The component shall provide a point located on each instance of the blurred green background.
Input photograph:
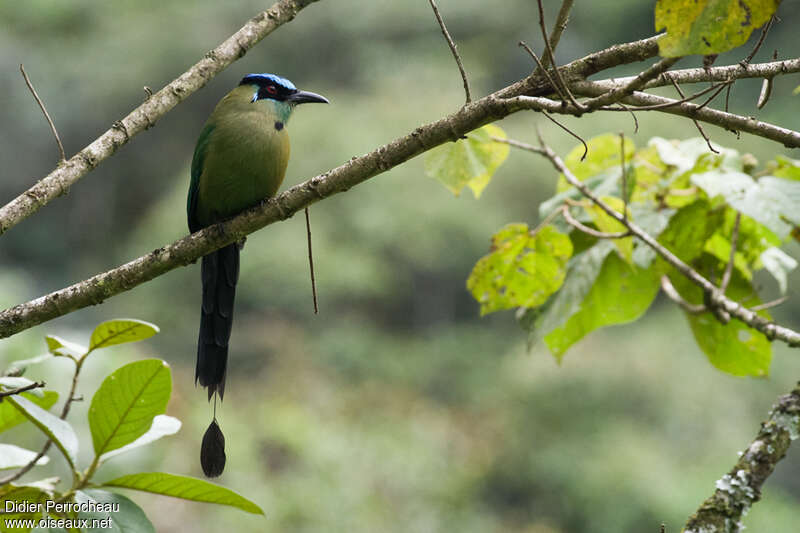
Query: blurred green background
(396, 408)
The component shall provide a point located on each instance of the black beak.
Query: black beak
(306, 97)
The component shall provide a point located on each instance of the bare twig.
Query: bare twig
(20, 390)
(563, 127)
(543, 70)
(764, 31)
(61, 155)
(575, 223)
(453, 48)
(673, 294)
(560, 25)
(671, 103)
(624, 176)
(635, 120)
(770, 305)
(696, 123)
(616, 94)
(726, 276)
(311, 264)
(552, 59)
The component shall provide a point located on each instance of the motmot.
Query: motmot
(240, 159)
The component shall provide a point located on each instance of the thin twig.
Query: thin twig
(61, 155)
(543, 69)
(452, 48)
(671, 103)
(635, 120)
(563, 127)
(624, 176)
(673, 294)
(726, 276)
(311, 264)
(746, 61)
(616, 94)
(770, 305)
(560, 25)
(20, 390)
(575, 223)
(696, 123)
(552, 57)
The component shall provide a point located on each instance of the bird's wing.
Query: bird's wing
(200, 151)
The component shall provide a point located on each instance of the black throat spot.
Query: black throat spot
(278, 125)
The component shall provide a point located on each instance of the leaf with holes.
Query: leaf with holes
(522, 270)
(124, 406)
(188, 488)
(120, 331)
(708, 26)
(469, 162)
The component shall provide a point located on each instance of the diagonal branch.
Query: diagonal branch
(61, 155)
(741, 487)
(143, 117)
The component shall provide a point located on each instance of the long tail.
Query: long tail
(220, 272)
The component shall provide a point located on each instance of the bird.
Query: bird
(239, 160)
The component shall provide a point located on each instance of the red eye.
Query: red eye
(271, 89)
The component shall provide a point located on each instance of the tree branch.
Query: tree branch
(143, 117)
(20, 390)
(741, 487)
(453, 48)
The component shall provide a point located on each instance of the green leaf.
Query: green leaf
(607, 224)
(187, 488)
(128, 519)
(123, 407)
(10, 416)
(787, 168)
(120, 331)
(770, 200)
(162, 426)
(708, 26)
(653, 221)
(64, 348)
(603, 158)
(59, 431)
(689, 229)
(522, 270)
(779, 264)
(720, 247)
(468, 162)
(582, 271)
(619, 295)
(20, 494)
(14, 457)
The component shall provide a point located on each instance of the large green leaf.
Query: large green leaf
(708, 26)
(10, 416)
(59, 431)
(120, 331)
(58, 346)
(779, 264)
(123, 407)
(522, 270)
(468, 162)
(689, 229)
(771, 201)
(582, 271)
(13, 457)
(21, 494)
(129, 518)
(187, 488)
(607, 224)
(620, 294)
